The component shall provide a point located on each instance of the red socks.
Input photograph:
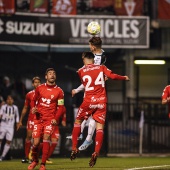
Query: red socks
(27, 147)
(98, 140)
(45, 150)
(52, 147)
(75, 134)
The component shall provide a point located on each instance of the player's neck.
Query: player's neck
(98, 51)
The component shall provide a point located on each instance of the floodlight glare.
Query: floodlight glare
(159, 62)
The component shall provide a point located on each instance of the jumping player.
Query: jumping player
(94, 103)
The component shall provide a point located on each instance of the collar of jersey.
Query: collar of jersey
(50, 86)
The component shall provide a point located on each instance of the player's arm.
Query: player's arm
(165, 98)
(77, 90)
(17, 116)
(114, 76)
(60, 103)
(34, 101)
(24, 111)
(63, 121)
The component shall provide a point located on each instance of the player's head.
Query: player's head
(95, 43)
(36, 81)
(88, 58)
(50, 76)
(9, 100)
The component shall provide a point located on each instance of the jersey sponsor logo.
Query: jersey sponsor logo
(96, 106)
(49, 89)
(45, 100)
(48, 127)
(93, 99)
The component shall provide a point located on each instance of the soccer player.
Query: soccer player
(95, 44)
(93, 78)
(48, 105)
(36, 81)
(9, 114)
(166, 97)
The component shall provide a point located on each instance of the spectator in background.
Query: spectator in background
(18, 88)
(6, 87)
(9, 114)
(166, 97)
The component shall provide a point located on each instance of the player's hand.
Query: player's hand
(19, 125)
(54, 122)
(63, 123)
(34, 110)
(127, 78)
(106, 78)
(73, 92)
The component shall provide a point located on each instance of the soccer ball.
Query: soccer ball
(93, 28)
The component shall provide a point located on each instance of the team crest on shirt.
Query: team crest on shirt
(52, 96)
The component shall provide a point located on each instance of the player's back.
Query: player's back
(92, 78)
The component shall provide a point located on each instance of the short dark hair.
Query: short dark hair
(36, 78)
(88, 55)
(49, 69)
(96, 41)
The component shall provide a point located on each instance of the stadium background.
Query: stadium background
(147, 81)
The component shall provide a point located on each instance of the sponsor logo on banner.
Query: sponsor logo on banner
(116, 32)
(130, 7)
(1, 26)
(64, 6)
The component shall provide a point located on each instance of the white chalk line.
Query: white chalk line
(148, 167)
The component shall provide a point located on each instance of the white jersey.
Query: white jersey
(98, 58)
(9, 115)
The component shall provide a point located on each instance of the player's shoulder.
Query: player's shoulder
(30, 92)
(58, 88)
(15, 106)
(80, 69)
(167, 87)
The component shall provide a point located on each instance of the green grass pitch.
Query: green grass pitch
(103, 163)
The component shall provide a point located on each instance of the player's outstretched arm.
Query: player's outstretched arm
(80, 88)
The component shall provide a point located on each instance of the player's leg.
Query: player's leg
(54, 142)
(9, 136)
(100, 112)
(28, 144)
(88, 141)
(37, 131)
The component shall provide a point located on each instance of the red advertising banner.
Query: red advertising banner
(39, 6)
(128, 7)
(7, 7)
(64, 7)
(164, 9)
(101, 3)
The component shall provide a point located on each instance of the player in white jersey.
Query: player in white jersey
(9, 114)
(95, 44)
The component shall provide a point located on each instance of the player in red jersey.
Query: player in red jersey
(36, 81)
(166, 98)
(48, 105)
(94, 102)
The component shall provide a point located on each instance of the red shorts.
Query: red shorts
(97, 110)
(42, 127)
(30, 125)
(55, 133)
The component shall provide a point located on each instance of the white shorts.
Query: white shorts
(6, 132)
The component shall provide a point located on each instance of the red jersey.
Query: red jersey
(92, 77)
(165, 94)
(28, 99)
(48, 100)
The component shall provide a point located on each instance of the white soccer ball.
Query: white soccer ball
(93, 28)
